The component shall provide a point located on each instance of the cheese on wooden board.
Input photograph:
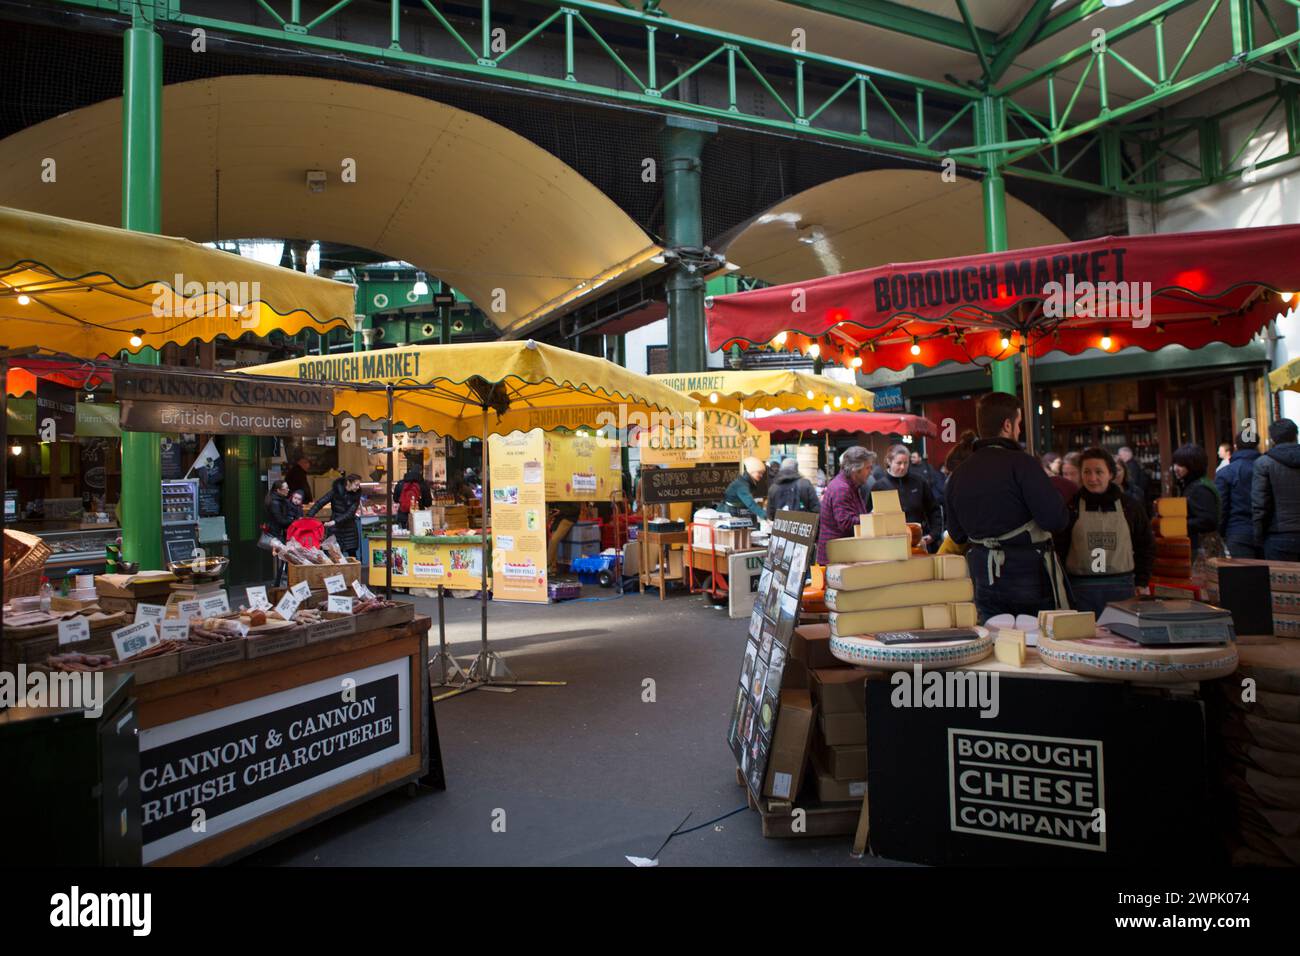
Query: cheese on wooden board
(1172, 527)
(964, 615)
(903, 595)
(1009, 647)
(850, 550)
(948, 566)
(936, 615)
(872, 622)
(886, 501)
(880, 524)
(878, 574)
(1171, 507)
(1071, 625)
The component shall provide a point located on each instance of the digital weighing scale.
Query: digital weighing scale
(1160, 621)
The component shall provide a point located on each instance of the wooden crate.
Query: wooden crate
(315, 574)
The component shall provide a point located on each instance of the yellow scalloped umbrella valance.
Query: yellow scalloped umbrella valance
(751, 389)
(83, 289)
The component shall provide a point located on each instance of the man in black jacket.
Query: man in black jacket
(1235, 482)
(915, 494)
(1275, 494)
(344, 498)
(790, 491)
(1002, 502)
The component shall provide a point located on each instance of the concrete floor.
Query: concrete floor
(588, 773)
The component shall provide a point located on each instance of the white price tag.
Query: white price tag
(362, 591)
(335, 584)
(301, 590)
(74, 629)
(149, 612)
(175, 630)
(189, 609)
(287, 605)
(339, 605)
(257, 598)
(215, 604)
(134, 638)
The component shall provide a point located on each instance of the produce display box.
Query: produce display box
(275, 642)
(315, 574)
(33, 645)
(201, 658)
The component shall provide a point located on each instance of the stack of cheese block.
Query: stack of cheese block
(1173, 546)
(1284, 588)
(1261, 755)
(875, 583)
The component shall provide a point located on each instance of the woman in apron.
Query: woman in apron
(1108, 546)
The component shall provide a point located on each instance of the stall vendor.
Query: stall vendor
(1108, 547)
(915, 494)
(842, 502)
(739, 497)
(1003, 503)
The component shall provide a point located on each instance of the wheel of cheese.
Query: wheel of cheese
(1147, 665)
(869, 652)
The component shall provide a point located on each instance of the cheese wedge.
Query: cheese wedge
(964, 614)
(1171, 507)
(886, 501)
(1070, 625)
(880, 524)
(878, 574)
(872, 622)
(915, 594)
(850, 550)
(948, 566)
(1009, 647)
(936, 615)
(1172, 527)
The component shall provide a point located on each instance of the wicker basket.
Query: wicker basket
(24, 564)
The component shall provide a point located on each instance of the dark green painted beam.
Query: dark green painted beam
(1063, 21)
(1019, 39)
(900, 19)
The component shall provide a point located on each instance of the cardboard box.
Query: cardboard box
(843, 730)
(840, 690)
(831, 790)
(812, 646)
(795, 675)
(790, 743)
(844, 763)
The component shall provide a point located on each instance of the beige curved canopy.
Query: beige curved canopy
(462, 198)
(873, 218)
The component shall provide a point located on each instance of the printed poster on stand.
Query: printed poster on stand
(516, 464)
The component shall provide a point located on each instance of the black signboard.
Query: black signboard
(180, 541)
(221, 419)
(56, 410)
(790, 550)
(701, 483)
(187, 388)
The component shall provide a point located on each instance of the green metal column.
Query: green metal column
(683, 141)
(141, 502)
(990, 127)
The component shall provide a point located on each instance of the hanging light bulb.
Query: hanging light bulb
(826, 409)
(1106, 341)
(853, 400)
(421, 287)
(855, 362)
(1006, 343)
(809, 393)
(16, 449)
(136, 339)
(1056, 403)
(779, 341)
(916, 346)
(814, 350)
(24, 299)
(713, 397)
(837, 402)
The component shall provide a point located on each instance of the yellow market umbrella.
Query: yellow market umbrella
(1286, 377)
(480, 389)
(86, 290)
(784, 389)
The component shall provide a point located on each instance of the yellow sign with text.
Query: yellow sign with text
(724, 437)
(582, 467)
(516, 465)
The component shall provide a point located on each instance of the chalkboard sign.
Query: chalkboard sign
(179, 541)
(701, 483)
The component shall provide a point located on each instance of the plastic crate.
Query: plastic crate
(584, 532)
(564, 591)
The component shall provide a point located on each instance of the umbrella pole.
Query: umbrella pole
(1027, 390)
(489, 667)
(388, 523)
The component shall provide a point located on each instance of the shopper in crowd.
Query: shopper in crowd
(412, 493)
(1202, 496)
(283, 508)
(1275, 494)
(1236, 484)
(1108, 547)
(874, 473)
(1136, 476)
(791, 491)
(297, 477)
(1004, 505)
(739, 499)
(914, 493)
(1225, 456)
(842, 501)
(964, 448)
(1121, 481)
(1051, 463)
(921, 468)
(344, 498)
(1070, 469)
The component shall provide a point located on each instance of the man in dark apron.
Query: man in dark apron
(1002, 502)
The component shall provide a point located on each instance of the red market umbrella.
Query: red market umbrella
(886, 423)
(1203, 287)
